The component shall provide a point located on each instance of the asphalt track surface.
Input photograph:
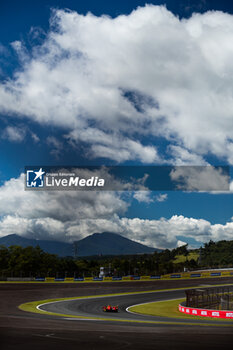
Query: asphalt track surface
(92, 308)
(23, 330)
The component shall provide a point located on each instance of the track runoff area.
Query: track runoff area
(148, 308)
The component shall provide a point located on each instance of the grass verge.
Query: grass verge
(168, 308)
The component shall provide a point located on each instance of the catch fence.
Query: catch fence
(217, 298)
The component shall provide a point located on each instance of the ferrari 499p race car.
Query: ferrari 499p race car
(110, 308)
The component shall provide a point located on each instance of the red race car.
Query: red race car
(110, 308)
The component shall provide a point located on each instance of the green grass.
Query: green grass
(168, 308)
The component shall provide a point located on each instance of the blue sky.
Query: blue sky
(115, 87)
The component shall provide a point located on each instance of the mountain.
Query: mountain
(52, 247)
(106, 243)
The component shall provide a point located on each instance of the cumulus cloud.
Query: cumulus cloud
(18, 133)
(199, 178)
(143, 196)
(14, 134)
(112, 146)
(34, 137)
(71, 215)
(56, 146)
(180, 243)
(58, 205)
(183, 156)
(115, 84)
(161, 197)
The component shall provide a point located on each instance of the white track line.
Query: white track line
(149, 302)
(97, 297)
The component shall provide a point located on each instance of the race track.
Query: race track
(31, 331)
(92, 308)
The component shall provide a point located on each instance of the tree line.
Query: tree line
(16, 261)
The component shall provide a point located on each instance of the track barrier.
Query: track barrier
(209, 302)
(40, 279)
(195, 275)
(97, 278)
(184, 275)
(175, 276)
(78, 279)
(206, 312)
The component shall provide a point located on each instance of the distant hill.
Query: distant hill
(106, 243)
(52, 247)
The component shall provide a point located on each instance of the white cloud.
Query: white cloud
(180, 243)
(14, 134)
(56, 146)
(34, 137)
(143, 196)
(51, 215)
(113, 82)
(113, 146)
(39, 228)
(18, 133)
(59, 205)
(161, 197)
(70, 215)
(203, 178)
(183, 156)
